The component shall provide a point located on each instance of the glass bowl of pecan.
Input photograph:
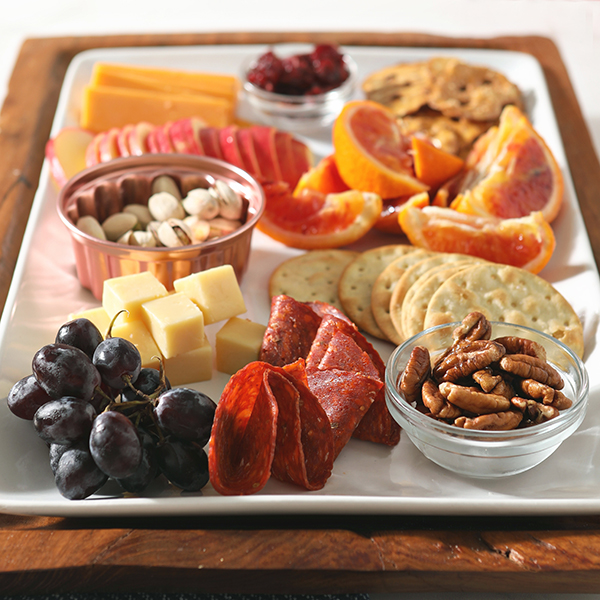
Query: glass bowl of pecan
(486, 399)
(294, 90)
(170, 214)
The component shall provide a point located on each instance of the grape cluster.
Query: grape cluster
(104, 416)
(317, 72)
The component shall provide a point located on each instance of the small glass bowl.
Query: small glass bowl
(106, 188)
(297, 113)
(488, 454)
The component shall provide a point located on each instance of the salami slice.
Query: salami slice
(345, 396)
(244, 432)
(304, 448)
(290, 331)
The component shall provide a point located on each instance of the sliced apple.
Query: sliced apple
(248, 152)
(152, 142)
(107, 147)
(92, 152)
(162, 138)
(209, 138)
(184, 135)
(66, 153)
(263, 146)
(123, 140)
(138, 138)
(229, 146)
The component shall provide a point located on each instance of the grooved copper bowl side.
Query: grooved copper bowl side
(106, 188)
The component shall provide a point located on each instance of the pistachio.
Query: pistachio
(91, 226)
(200, 228)
(126, 238)
(202, 203)
(174, 232)
(164, 183)
(230, 202)
(152, 228)
(145, 239)
(116, 225)
(165, 206)
(142, 213)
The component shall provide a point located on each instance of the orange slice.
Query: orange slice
(371, 152)
(526, 242)
(324, 177)
(511, 172)
(432, 165)
(313, 220)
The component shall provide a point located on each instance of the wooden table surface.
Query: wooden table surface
(280, 554)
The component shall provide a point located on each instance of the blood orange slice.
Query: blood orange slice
(313, 220)
(371, 153)
(526, 242)
(511, 173)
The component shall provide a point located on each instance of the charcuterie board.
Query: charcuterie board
(347, 505)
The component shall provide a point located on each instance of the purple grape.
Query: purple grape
(77, 475)
(64, 421)
(115, 445)
(147, 382)
(55, 451)
(185, 465)
(118, 361)
(26, 396)
(81, 333)
(185, 413)
(148, 469)
(64, 370)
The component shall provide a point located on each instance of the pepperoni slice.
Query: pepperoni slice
(290, 331)
(268, 422)
(242, 442)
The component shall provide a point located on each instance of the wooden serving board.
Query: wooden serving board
(280, 554)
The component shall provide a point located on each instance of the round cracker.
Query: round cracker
(356, 282)
(383, 288)
(312, 276)
(508, 294)
(409, 277)
(414, 307)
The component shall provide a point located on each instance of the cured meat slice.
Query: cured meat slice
(323, 308)
(268, 422)
(345, 396)
(244, 432)
(290, 331)
(297, 370)
(304, 448)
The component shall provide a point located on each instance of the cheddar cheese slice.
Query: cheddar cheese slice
(104, 107)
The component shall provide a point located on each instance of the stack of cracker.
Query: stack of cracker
(394, 292)
(449, 101)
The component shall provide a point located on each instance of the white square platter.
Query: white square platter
(367, 478)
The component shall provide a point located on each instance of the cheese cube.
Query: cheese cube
(238, 343)
(216, 291)
(176, 324)
(128, 293)
(98, 316)
(189, 367)
(137, 333)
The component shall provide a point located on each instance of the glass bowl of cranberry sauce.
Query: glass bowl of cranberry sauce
(294, 90)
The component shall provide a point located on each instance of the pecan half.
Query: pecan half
(539, 413)
(436, 403)
(468, 358)
(473, 400)
(502, 421)
(487, 379)
(473, 327)
(519, 345)
(418, 368)
(531, 367)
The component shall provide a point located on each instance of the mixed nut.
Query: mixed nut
(168, 219)
(485, 384)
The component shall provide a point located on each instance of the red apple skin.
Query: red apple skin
(185, 134)
(152, 142)
(107, 147)
(92, 153)
(209, 138)
(161, 133)
(179, 141)
(66, 153)
(138, 138)
(263, 146)
(248, 152)
(123, 140)
(229, 146)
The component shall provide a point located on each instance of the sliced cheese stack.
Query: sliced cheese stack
(169, 327)
(118, 95)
